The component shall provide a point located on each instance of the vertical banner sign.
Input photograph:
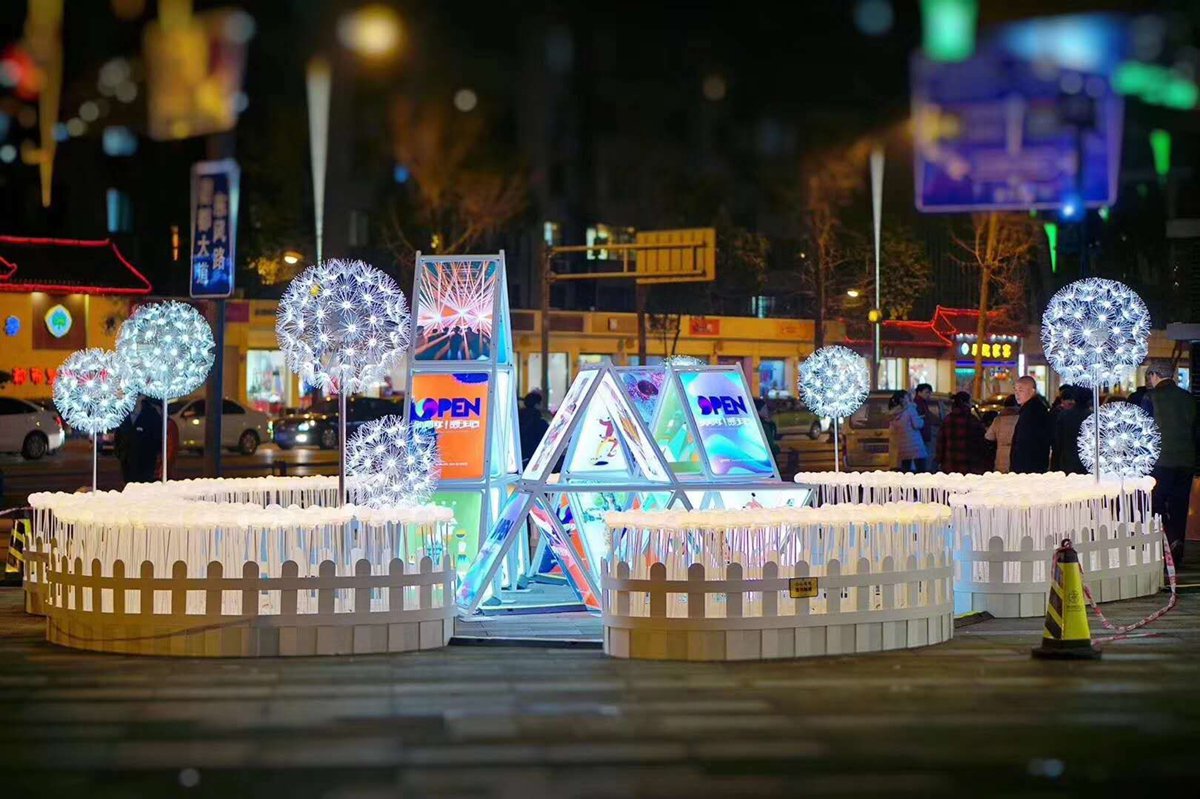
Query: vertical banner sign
(214, 227)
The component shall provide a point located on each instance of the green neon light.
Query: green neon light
(1160, 144)
(1155, 85)
(1052, 236)
(1104, 212)
(948, 29)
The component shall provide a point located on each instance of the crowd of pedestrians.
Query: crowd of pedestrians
(1031, 435)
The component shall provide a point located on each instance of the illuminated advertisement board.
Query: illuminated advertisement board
(454, 405)
(726, 419)
(456, 303)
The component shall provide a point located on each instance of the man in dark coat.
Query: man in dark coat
(960, 444)
(138, 443)
(1175, 413)
(1031, 439)
(531, 424)
(1075, 407)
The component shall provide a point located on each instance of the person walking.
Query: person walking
(1001, 432)
(906, 448)
(531, 424)
(1031, 438)
(1175, 413)
(960, 441)
(1076, 406)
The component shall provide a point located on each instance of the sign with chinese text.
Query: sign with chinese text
(454, 405)
(214, 227)
(703, 326)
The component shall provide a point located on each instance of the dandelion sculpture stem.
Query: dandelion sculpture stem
(342, 447)
(1096, 410)
(836, 445)
(94, 391)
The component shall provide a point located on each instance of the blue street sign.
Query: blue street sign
(1010, 127)
(214, 228)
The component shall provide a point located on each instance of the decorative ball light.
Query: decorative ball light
(1094, 330)
(834, 381)
(682, 362)
(169, 346)
(95, 390)
(391, 464)
(1129, 440)
(343, 325)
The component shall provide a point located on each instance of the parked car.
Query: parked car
(242, 427)
(318, 426)
(866, 431)
(989, 408)
(793, 416)
(29, 429)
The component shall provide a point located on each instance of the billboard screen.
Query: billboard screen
(454, 405)
(455, 309)
(726, 419)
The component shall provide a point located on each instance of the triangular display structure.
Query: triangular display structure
(462, 386)
(631, 437)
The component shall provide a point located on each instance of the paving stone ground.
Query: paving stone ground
(972, 717)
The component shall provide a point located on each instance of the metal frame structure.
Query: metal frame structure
(501, 451)
(647, 478)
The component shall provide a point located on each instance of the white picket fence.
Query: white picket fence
(212, 615)
(735, 618)
(1119, 562)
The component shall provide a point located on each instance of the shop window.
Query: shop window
(267, 386)
(120, 211)
(599, 234)
(772, 378)
(891, 374)
(922, 370)
(559, 379)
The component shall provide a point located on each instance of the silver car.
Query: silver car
(29, 429)
(242, 428)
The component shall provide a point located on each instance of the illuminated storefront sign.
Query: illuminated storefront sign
(58, 321)
(990, 350)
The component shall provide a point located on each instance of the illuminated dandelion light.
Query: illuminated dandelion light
(342, 325)
(682, 361)
(1093, 330)
(94, 390)
(834, 381)
(1129, 440)
(391, 464)
(169, 347)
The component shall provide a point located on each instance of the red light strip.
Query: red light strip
(7, 286)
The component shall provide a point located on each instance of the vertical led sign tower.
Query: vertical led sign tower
(461, 387)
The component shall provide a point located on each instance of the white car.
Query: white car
(29, 429)
(242, 428)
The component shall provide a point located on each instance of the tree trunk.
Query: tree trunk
(985, 276)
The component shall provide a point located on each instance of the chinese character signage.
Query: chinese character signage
(214, 225)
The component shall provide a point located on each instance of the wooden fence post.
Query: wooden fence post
(325, 595)
(396, 585)
(250, 588)
(696, 596)
(289, 597)
(215, 573)
(426, 592)
(118, 572)
(362, 596)
(146, 595)
(178, 591)
(770, 597)
(733, 599)
(658, 593)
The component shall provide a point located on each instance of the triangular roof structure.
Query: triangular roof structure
(67, 266)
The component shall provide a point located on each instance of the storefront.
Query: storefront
(58, 296)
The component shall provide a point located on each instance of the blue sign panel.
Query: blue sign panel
(214, 227)
(1011, 127)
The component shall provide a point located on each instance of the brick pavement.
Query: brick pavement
(975, 716)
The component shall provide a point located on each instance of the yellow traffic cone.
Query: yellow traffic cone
(1066, 635)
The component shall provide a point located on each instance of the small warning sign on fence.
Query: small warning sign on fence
(802, 587)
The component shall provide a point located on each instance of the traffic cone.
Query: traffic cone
(1066, 635)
